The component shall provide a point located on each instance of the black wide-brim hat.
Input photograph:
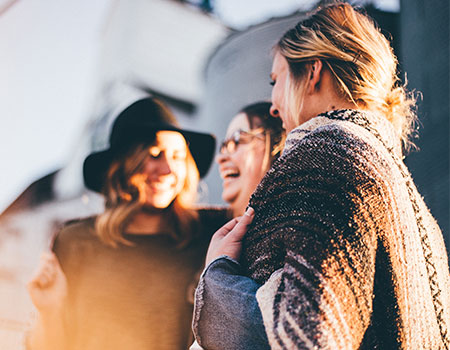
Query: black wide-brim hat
(137, 124)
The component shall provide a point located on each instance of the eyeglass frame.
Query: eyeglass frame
(231, 143)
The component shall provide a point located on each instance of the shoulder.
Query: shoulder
(73, 236)
(335, 147)
(76, 229)
(346, 134)
(332, 156)
(332, 136)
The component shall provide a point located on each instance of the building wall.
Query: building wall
(237, 74)
(425, 59)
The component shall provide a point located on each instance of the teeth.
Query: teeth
(230, 172)
(161, 186)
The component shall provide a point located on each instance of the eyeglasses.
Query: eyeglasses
(230, 144)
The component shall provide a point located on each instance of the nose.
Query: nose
(274, 112)
(164, 167)
(221, 157)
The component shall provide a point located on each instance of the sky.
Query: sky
(48, 58)
(239, 14)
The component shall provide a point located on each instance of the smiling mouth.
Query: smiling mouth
(156, 186)
(230, 174)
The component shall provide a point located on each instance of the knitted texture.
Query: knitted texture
(131, 297)
(361, 262)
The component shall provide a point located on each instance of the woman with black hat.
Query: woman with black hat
(127, 274)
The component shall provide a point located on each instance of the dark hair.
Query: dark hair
(258, 115)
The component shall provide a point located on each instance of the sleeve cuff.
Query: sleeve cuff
(223, 261)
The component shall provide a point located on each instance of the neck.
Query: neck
(324, 98)
(146, 222)
(331, 103)
(238, 206)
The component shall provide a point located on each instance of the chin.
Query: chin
(160, 203)
(229, 198)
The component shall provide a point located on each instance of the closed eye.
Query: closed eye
(154, 152)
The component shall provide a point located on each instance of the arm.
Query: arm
(48, 291)
(226, 314)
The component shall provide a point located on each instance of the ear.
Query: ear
(315, 76)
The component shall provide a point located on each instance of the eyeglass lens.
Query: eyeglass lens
(229, 145)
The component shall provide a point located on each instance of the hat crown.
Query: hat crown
(133, 123)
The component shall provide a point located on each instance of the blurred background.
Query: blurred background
(67, 68)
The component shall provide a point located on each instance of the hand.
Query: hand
(48, 286)
(228, 239)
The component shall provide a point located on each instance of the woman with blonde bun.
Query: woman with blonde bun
(338, 249)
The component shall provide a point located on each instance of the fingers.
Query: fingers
(250, 213)
(227, 240)
(225, 229)
(46, 271)
(54, 262)
(240, 228)
(42, 280)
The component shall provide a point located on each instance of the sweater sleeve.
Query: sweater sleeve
(317, 223)
(226, 313)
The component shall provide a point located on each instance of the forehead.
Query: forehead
(239, 122)
(170, 140)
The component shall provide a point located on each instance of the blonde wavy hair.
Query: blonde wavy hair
(359, 57)
(125, 197)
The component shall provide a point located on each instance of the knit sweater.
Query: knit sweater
(347, 252)
(131, 297)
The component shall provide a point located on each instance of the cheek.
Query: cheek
(180, 173)
(149, 167)
(275, 99)
(252, 165)
(238, 157)
(278, 92)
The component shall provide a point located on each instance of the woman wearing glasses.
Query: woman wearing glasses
(254, 140)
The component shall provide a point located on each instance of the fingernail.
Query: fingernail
(250, 211)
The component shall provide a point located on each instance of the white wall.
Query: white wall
(48, 52)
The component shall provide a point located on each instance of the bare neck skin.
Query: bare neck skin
(321, 93)
(146, 222)
(238, 209)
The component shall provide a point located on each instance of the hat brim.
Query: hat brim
(201, 145)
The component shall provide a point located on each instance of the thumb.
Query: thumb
(55, 262)
(225, 229)
(241, 227)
